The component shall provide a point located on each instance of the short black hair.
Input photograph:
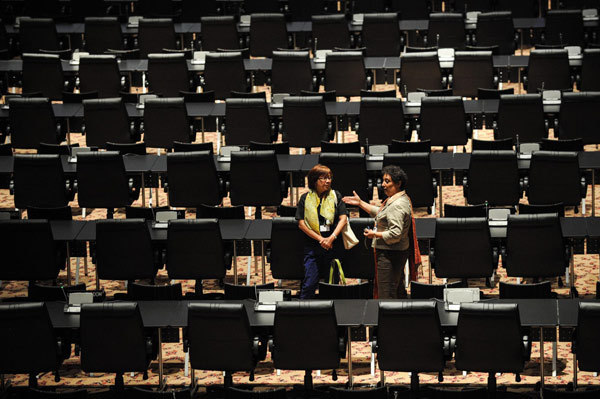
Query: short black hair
(397, 174)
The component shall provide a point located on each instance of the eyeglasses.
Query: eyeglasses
(325, 178)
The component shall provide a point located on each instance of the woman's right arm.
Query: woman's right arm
(355, 200)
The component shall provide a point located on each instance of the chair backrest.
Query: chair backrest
(354, 291)
(443, 121)
(345, 73)
(268, 32)
(417, 166)
(238, 292)
(46, 293)
(257, 6)
(446, 30)
(54, 213)
(192, 10)
(359, 262)
(154, 8)
(195, 249)
(39, 181)
(381, 120)
(146, 292)
(287, 247)
(43, 73)
(100, 73)
(305, 336)
(548, 70)
(247, 119)
(561, 145)
(282, 148)
(330, 31)
(472, 70)
(420, 71)
(29, 344)
(349, 173)
(526, 291)
(32, 122)
(112, 338)
(523, 115)
(528, 209)
(327, 95)
(29, 249)
(255, 179)
(102, 34)
(493, 94)
(463, 248)
(124, 250)
(81, 9)
(351, 147)
(220, 212)
(493, 177)
(417, 9)
(166, 121)
(535, 246)
(381, 35)
(367, 6)
(378, 93)
(587, 347)
(590, 64)
(106, 121)
(37, 34)
(465, 211)
(579, 116)
(156, 34)
(101, 180)
(219, 32)
(291, 72)
(304, 121)
(561, 171)
(220, 337)
(409, 337)
(489, 338)
(431, 291)
(302, 10)
(564, 27)
(168, 74)
(465, 6)
(193, 179)
(224, 73)
(398, 146)
(178, 146)
(492, 145)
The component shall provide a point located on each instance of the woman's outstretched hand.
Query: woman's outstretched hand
(353, 200)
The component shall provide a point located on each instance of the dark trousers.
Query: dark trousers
(390, 269)
(317, 261)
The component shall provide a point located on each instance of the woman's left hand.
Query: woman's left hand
(327, 243)
(370, 233)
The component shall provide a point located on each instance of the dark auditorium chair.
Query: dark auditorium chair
(30, 344)
(287, 248)
(178, 146)
(465, 6)
(474, 258)
(589, 79)
(165, 121)
(268, 33)
(564, 27)
(193, 180)
(195, 251)
(444, 122)
(446, 30)
(559, 169)
(39, 181)
(282, 148)
(46, 293)
(496, 29)
(353, 291)
(306, 337)
(465, 211)
(103, 34)
(548, 70)
(43, 73)
(219, 32)
(106, 120)
(409, 338)
(350, 171)
(81, 9)
(473, 70)
(561, 145)
(155, 8)
(42, 8)
(522, 115)
(526, 291)
(17, 239)
(420, 71)
(113, 340)
(417, 9)
(359, 262)
(398, 146)
(585, 348)
(422, 186)
(493, 177)
(579, 117)
(247, 119)
(330, 31)
(367, 6)
(102, 181)
(291, 72)
(31, 122)
(168, 74)
(302, 10)
(520, 9)
(492, 145)
(431, 291)
(345, 73)
(38, 35)
(255, 180)
(328, 96)
(156, 35)
(305, 122)
(239, 292)
(535, 247)
(489, 339)
(381, 35)
(381, 120)
(101, 73)
(378, 93)
(351, 147)
(224, 73)
(149, 292)
(493, 94)
(528, 209)
(258, 6)
(219, 337)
